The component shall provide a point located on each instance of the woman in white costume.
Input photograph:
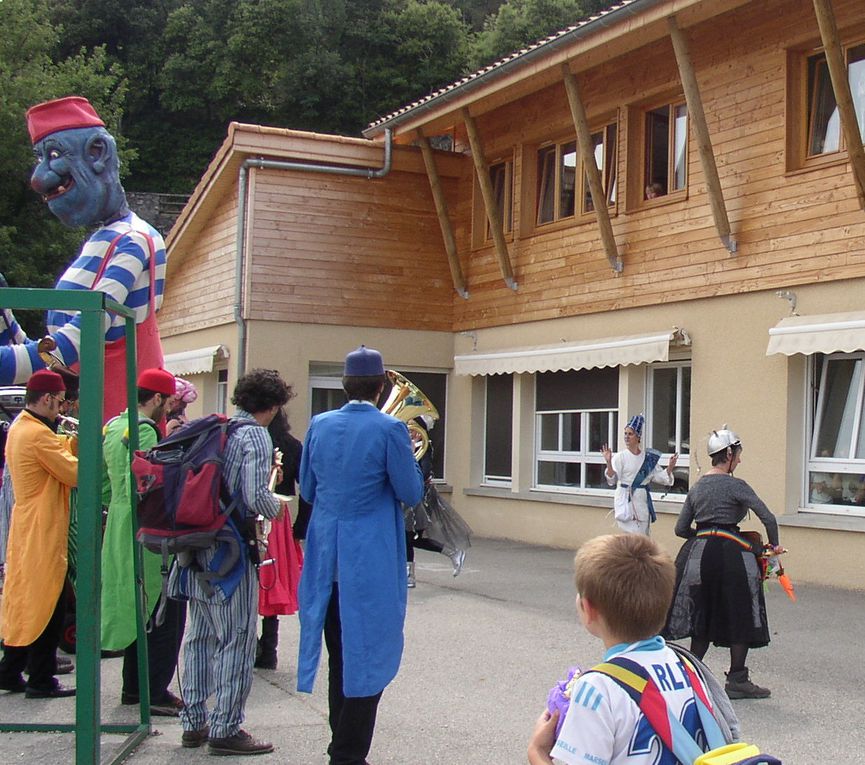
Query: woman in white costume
(632, 470)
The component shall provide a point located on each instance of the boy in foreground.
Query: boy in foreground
(624, 585)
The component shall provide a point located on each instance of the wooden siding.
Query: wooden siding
(199, 289)
(333, 249)
(792, 228)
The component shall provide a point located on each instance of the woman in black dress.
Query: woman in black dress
(719, 593)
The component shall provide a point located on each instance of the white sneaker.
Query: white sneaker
(411, 582)
(458, 558)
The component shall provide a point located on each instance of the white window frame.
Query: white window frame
(814, 411)
(583, 456)
(222, 397)
(684, 460)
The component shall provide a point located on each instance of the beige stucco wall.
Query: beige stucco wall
(291, 348)
(733, 381)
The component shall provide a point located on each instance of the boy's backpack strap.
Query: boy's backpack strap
(636, 682)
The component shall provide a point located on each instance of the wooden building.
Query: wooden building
(660, 209)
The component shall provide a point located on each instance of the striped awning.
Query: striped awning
(824, 333)
(195, 362)
(606, 352)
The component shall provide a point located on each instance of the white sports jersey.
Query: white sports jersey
(604, 726)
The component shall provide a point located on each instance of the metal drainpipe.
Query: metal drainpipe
(276, 164)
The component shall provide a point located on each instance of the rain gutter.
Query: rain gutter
(276, 164)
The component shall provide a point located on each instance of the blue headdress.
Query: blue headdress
(636, 424)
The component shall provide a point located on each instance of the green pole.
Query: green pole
(137, 550)
(88, 617)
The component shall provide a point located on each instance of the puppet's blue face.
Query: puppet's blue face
(77, 174)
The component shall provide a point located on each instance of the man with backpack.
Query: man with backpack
(156, 390)
(220, 639)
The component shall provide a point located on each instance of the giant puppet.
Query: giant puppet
(78, 175)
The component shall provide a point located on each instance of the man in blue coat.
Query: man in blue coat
(357, 467)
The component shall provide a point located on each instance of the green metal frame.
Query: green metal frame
(88, 726)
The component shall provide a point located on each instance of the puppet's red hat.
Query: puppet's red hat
(61, 114)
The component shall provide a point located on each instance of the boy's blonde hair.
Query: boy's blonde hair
(629, 580)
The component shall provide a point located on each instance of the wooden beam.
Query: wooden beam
(483, 172)
(442, 213)
(697, 118)
(596, 188)
(841, 86)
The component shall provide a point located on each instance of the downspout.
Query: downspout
(277, 164)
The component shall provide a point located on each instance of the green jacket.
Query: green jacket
(118, 543)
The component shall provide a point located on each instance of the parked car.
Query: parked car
(11, 401)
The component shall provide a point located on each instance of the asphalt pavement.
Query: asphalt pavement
(482, 651)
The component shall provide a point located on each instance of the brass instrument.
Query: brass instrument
(68, 426)
(262, 524)
(405, 402)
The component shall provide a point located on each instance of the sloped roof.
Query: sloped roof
(520, 58)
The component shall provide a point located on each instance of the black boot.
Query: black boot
(265, 655)
(739, 686)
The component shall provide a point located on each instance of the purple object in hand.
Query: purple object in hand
(559, 698)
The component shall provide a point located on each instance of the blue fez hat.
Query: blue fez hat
(636, 424)
(364, 362)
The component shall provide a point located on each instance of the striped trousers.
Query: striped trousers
(218, 654)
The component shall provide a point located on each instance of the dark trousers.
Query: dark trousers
(421, 543)
(40, 657)
(352, 719)
(269, 639)
(163, 647)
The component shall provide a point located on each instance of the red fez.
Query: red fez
(158, 380)
(46, 381)
(61, 114)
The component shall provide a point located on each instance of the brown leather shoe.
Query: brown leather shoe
(192, 739)
(240, 743)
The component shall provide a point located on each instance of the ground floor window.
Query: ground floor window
(222, 391)
(576, 413)
(836, 454)
(326, 393)
(498, 429)
(668, 420)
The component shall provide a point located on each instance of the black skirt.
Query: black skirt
(718, 595)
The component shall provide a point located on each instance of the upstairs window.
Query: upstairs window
(665, 150)
(501, 173)
(814, 134)
(502, 179)
(604, 148)
(824, 122)
(558, 169)
(557, 174)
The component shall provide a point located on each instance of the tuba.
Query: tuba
(405, 402)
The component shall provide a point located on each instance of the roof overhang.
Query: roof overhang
(195, 362)
(607, 352)
(825, 333)
(615, 32)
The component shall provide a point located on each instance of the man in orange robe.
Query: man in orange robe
(43, 472)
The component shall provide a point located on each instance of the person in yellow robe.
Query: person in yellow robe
(44, 471)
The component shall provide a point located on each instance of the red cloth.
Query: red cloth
(277, 583)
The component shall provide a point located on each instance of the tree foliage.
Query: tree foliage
(168, 77)
(33, 245)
